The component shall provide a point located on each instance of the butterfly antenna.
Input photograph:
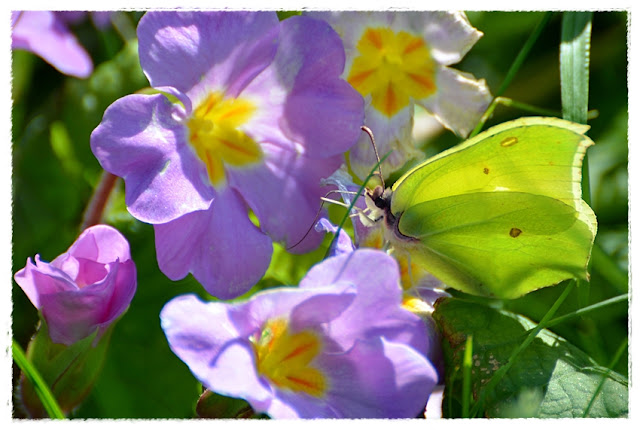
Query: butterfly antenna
(318, 215)
(375, 150)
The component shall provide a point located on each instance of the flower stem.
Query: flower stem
(95, 208)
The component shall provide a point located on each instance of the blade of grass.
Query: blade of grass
(44, 393)
(612, 364)
(574, 76)
(574, 88)
(591, 308)
(574, 65)
(513, 70)
(466, 375)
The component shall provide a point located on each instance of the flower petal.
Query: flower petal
(196, 330)
(225, 49)
(460, 101)
(42, 278)
(123, 291)
(323, 112)
(140, 141)
(449, 34)
(42, 33)
(350, 25)
(392, 136)
(305, 308)
(205, 337)
(378, 379)
(285, 194)
(102, 244)
(382, 297)
(75, 314)
(303, 104)
(343, 244)
(290, 405)
(223, 250)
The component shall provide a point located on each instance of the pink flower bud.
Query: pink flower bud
(86, 288)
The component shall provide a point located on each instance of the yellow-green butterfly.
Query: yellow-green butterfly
(499, 215)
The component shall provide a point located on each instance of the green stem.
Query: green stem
(612, 364)
(526, 107)
(591, 308)
(467, 362)
(499, 374)
(44, 393)
(515, 67)
(524, 52)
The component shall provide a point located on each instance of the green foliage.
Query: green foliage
(549, 379)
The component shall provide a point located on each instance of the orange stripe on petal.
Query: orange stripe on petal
(374, 37)
(427, 84)
(414, 44)
(358, 79)
(315, 386)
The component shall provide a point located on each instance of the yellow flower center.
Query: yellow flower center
(392, 67)
(285, 358)
(215, 134)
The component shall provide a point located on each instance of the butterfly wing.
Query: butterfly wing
(502, 244)
(465, 206)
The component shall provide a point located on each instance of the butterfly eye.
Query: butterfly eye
(377, 196)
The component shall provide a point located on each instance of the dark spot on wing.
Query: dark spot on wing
(486, 170)
(515, 232)
(509, 141)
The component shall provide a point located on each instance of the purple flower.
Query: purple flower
(46, 34)
(86, 288)
(340, 346)
(260, 116)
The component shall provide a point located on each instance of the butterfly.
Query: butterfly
(499, 215)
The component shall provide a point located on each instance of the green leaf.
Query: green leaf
(574, 65)
(549, 379)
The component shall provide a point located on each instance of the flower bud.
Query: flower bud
(86, 288)
(80, 294)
